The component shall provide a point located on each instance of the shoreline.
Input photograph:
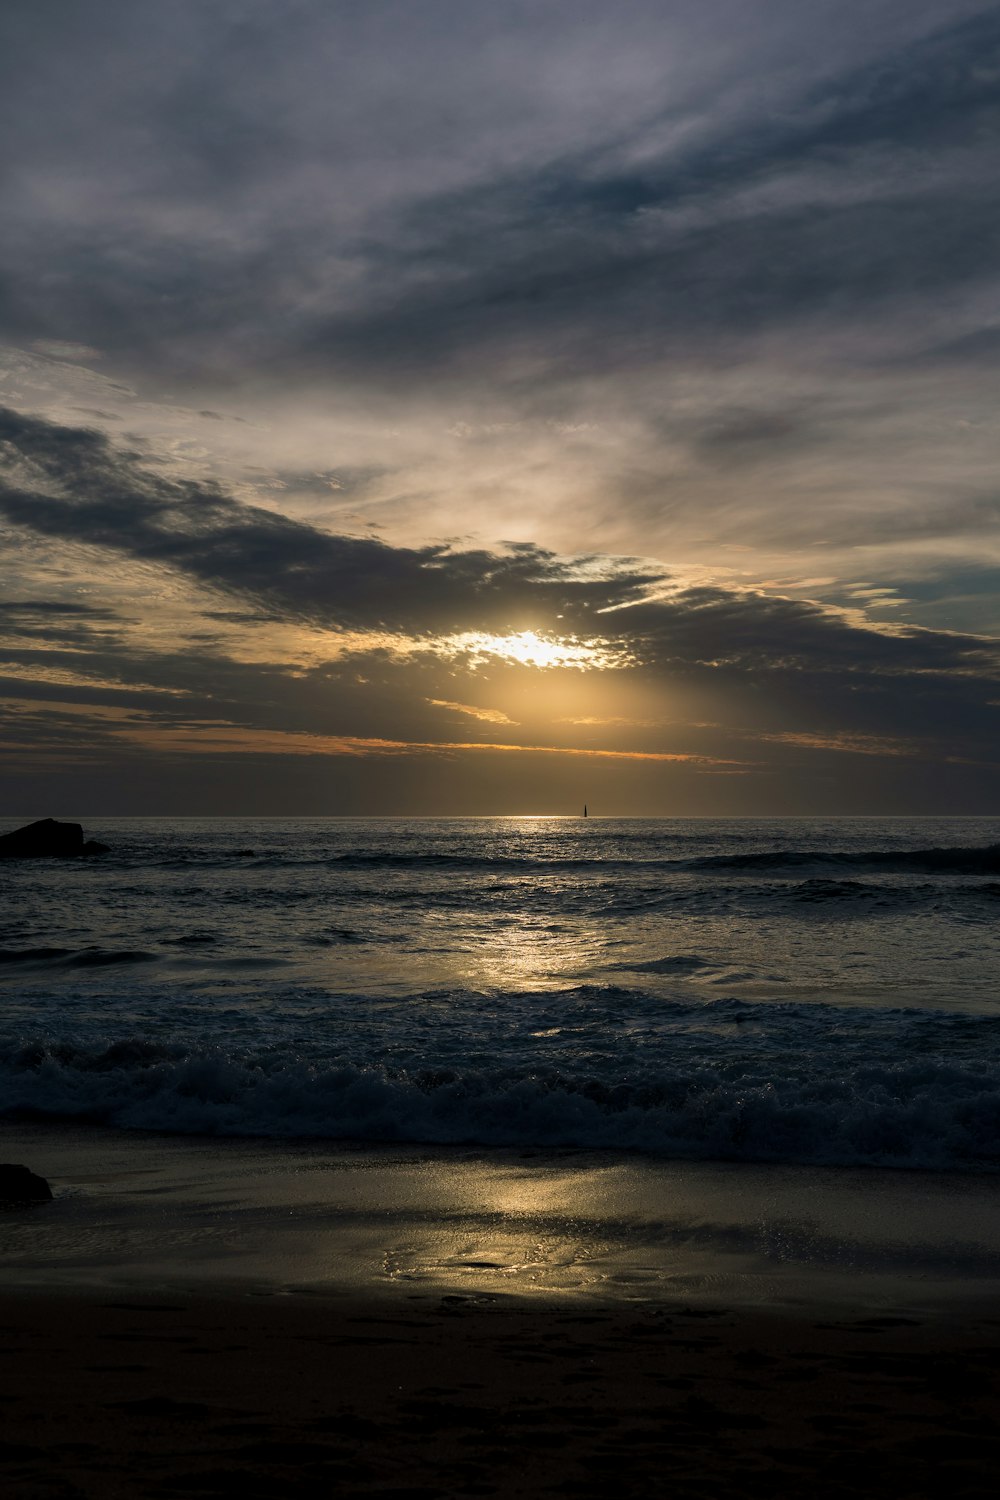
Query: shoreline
(199, 1316)
(137, 1207)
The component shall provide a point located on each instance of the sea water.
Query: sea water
(812, 992)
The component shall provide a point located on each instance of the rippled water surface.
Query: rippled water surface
(792, 990)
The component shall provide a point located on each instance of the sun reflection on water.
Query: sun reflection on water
(523, 956)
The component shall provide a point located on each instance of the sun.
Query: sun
(530, 649)
(534, 650)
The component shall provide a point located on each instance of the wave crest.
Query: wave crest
(925, 1114)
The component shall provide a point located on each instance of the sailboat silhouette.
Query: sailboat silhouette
(585, 809)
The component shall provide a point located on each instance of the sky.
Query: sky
(449, 407)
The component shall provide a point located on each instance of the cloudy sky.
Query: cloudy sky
(425, 406)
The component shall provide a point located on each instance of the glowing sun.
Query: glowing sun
(531, 649)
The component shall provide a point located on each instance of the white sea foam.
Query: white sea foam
(929, 1113)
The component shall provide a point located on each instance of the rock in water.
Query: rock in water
(44, 837)
(19, 1185)
(47, 837)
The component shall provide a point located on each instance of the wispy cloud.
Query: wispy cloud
(488, 715)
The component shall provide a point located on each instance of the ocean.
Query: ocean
(818, 992)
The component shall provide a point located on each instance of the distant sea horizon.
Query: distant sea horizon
(759, 817)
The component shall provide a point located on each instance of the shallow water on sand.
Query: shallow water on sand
(278, 1217)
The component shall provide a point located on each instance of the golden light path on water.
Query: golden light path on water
(528, 956)
(523, 953)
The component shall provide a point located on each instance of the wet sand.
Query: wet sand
(249, 1318)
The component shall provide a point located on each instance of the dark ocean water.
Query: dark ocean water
(800, 991)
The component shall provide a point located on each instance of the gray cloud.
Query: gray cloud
(70, 483)
(839, 181)
(844, 209)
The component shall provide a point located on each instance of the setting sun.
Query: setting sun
(533, 650)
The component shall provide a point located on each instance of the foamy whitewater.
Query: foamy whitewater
(800, 991)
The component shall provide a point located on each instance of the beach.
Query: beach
(216, 1394)
(204, 1317)
(495, 1157)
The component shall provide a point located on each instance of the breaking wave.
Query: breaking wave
(920, 1113)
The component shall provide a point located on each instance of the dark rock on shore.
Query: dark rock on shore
(19, 1185)
(47, 838)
